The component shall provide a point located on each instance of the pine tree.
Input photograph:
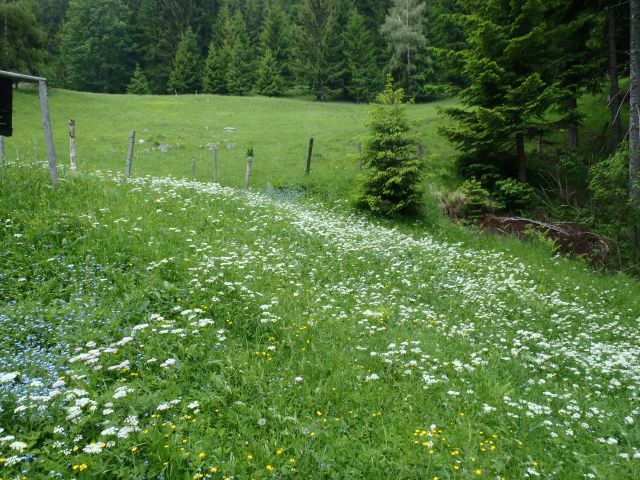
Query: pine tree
(96, 54)
(276, 36)
(22, 40)
(404, 29)
(240, 72)
(365, 80)
(214, 78)
(269, 79)
(185, 77)
(138, 84)
(507, 95)
(393, 184)
(315, 35)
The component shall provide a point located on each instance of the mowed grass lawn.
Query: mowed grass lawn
(277, 129)
(168, 329)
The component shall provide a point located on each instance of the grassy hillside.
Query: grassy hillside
(165, 329)
(278, 130)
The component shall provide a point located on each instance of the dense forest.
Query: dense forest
(520, 68)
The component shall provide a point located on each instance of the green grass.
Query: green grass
(277, 129)
(317, 344)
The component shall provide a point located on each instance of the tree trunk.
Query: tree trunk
(634, 95)
(571, 106)
(522, 159)
(614, 89)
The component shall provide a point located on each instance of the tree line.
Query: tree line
(332, 48)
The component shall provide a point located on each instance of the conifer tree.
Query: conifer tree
(508, 95)
(96, 54)
(214, 78)
(185, 76)
(22, 39)
(393, 183)
(276, 36)
(240, 72)
(138, 85)
(365, 79)
(314, 39)
(269, 79)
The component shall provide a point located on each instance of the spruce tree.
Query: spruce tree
(508, 95)
(393, 183)
(214, 78)
(96, 54)
(22, 40)
(240, 72)
(314, 40)
(276, 36)
(185, 76)
(138, 84)
(364, 80)
(269, 79)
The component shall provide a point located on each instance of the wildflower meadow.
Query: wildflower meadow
(170, 329)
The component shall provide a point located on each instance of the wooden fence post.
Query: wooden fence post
(247, 179)
(72, 144)
(1, 149)
(215, 164)
(359, 156)
(309, 153)
(193, 169)
(132, 140)
(46, 123)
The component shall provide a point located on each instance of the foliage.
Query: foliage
(138, 84)
(214, 78)
(240, 71)
(269, 78)
(22, 38)
(609, 185)
(404, 28)
(95, 46)
(365, 78)
(393, 182)
(315, 40)
(514, 195)
(507, 96)
(185, 76)
(475, 199)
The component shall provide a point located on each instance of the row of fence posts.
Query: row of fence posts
(132, 139)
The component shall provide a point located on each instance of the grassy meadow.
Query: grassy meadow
(277, 129)
(170, 329)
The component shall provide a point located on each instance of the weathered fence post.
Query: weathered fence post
(72, 144)
(132, 140)
(359, 156)
(1, 149)
(247, 179)
(215, 164)
(193, 169)
(46, 122)
(420, 150)
(309, 153)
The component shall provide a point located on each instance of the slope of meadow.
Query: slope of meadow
(277, 129)
(169, 329)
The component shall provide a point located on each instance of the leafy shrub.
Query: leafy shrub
(476, 201)
(514, 195)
